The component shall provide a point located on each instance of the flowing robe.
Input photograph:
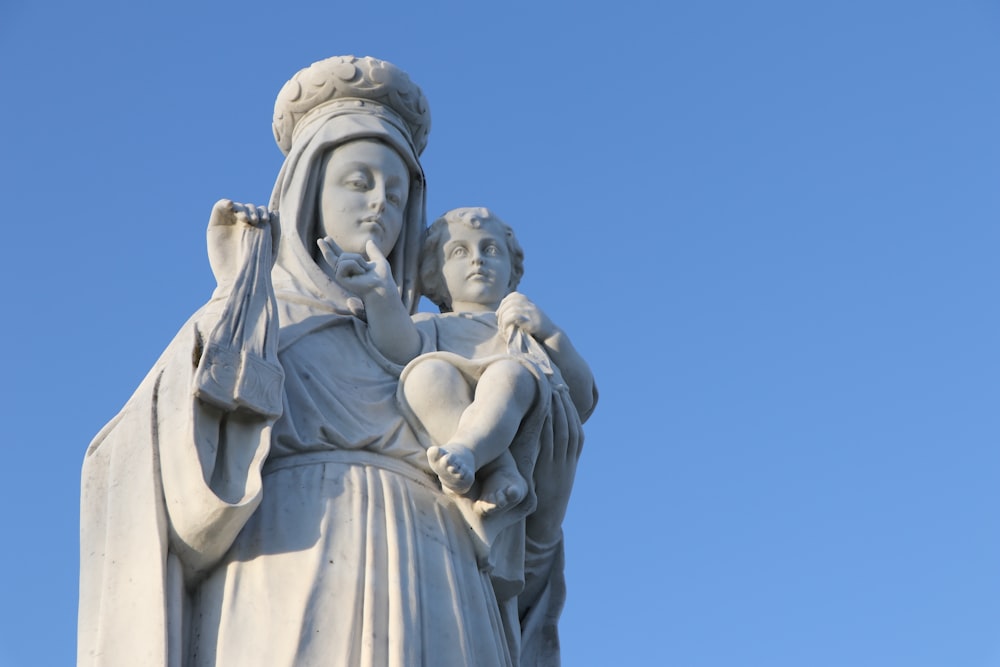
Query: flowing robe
(471, 343)
(214, 538)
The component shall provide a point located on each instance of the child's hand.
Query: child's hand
(517, 310)
(357, 274)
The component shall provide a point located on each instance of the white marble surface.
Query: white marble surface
(264, 499)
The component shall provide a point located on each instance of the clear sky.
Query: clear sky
(771, 227)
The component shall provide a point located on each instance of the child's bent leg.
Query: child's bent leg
(503, 396)
(474, 428)
(438, 395)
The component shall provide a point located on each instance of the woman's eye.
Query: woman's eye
(458, 252)
(393, 198)
(356, 182)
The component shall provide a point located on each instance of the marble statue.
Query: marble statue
(314, 474)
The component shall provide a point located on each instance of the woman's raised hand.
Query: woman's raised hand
(226, 225)
(356, 273)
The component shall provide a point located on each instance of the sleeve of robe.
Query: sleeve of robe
(166, 487)
(541, 600)
(539, 616)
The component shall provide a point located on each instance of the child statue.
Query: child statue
(467, 400)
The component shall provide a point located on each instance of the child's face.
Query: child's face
(476, 266)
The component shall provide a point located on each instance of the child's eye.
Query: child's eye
(491, 250)
(458, 252)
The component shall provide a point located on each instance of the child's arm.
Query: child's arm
(517, 310)
(389, 324)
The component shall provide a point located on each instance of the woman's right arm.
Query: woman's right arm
(219, 393)
(389, 325)
(210, 460)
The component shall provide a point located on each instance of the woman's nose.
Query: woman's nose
(376, 199)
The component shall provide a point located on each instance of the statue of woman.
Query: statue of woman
(260, 500)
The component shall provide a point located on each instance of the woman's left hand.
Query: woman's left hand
(555, 469)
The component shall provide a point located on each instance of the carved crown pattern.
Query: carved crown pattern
(350, 77)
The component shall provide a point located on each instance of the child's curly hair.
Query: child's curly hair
(431, 284)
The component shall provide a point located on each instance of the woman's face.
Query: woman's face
(364, 186)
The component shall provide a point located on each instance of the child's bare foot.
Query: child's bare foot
(501, 489)
(454, 466)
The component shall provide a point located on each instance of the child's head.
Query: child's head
(432, 256)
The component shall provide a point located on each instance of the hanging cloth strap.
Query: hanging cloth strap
(239, 366)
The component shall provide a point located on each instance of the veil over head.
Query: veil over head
(296, 275)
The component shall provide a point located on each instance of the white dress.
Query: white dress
(226, 538)
(354, 556)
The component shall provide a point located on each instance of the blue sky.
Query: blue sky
(771, 227)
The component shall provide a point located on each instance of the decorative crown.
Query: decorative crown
(348, 77)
